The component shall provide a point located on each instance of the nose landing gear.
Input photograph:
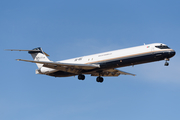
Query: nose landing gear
(166, 63)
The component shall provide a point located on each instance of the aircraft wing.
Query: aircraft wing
(59, 65)
(76, 68)
(111, 72)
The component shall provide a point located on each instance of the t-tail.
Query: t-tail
(37, 53)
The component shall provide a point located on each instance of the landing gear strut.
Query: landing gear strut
(99, 79)
(81, 77)
(166, 63)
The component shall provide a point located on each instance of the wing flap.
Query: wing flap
(111, 72)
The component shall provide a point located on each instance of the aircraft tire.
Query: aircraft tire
(81, 77)
(99, 79)
(166, 64)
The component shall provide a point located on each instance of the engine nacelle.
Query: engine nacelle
(44, 70)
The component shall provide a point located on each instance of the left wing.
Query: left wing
(76, 68)
(53, 65)
(111, 72)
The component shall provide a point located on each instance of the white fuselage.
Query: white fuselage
(120, 58)
(101, 64)
(116, 54)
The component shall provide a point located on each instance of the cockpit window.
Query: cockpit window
(163, 47)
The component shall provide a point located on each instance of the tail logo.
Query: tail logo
(38, 58)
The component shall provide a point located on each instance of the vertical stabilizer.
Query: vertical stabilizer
(39, 55)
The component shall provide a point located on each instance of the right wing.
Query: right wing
(111, 72)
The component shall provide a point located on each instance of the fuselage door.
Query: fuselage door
(152, 49)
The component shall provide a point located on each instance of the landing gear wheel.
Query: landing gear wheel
(81, 77)
(166, 64)
(99, 79)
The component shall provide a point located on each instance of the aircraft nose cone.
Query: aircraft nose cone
(172, 53)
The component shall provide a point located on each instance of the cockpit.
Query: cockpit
(162, 47)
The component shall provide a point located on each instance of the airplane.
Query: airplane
(101, 64)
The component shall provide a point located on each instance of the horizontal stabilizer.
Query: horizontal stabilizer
(27, 50)
(22, 50)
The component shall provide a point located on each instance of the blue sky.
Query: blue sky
(67, 29)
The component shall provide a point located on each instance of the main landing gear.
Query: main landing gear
(166, 63)
(81, 77)
(98, 79)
